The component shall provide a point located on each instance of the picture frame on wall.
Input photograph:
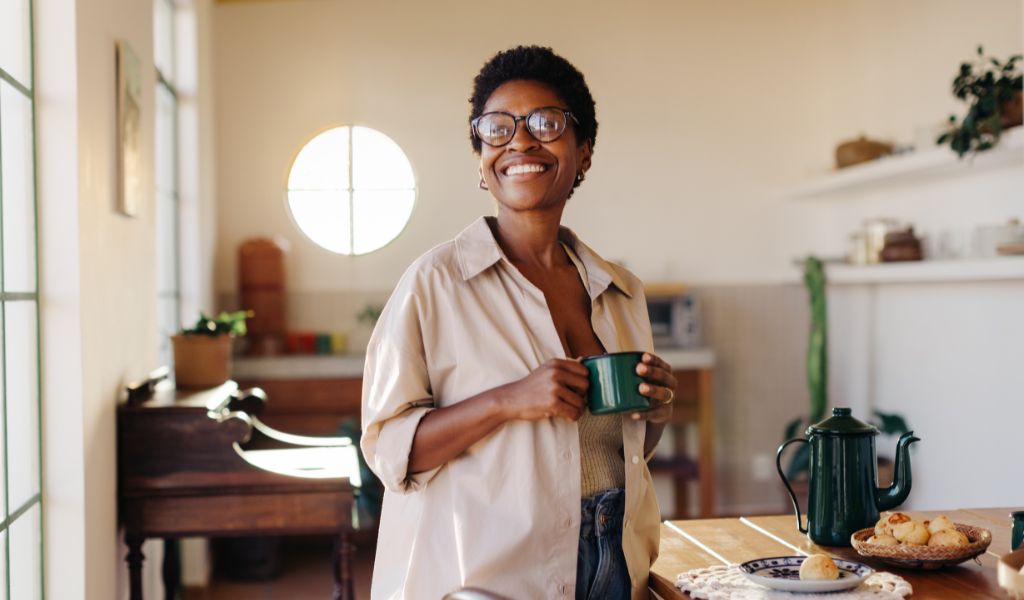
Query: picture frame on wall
(129, 124)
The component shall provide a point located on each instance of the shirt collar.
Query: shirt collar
(478, 251)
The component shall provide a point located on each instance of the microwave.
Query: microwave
(675, 316)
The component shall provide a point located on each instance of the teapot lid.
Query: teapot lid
(842, 423)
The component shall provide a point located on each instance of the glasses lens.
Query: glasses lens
(495, 129)
(546, 124)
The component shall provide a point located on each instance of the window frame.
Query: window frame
(350, 189)
(166, 83)
(10, 517)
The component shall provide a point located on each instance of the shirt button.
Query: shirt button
(567, 455)
(568, 523)
(636, 459)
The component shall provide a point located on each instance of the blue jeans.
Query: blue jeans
(601, 572)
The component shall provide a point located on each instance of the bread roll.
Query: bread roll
(892, 520)
(948, 537)
(882, 526)
(940, 523)
(819, 567)
(911, 532)
(883, 540)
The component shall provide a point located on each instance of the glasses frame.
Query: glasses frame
(515, 124)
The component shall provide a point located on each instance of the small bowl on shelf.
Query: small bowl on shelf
(910, 556)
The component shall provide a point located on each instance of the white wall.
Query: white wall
(686, 91)
(708, 113)
(98, 289)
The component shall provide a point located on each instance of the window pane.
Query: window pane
(322, 164)
(3, 397)
(21, 367)
(167, 313)
(324, 218)
(379, 217)
(164, 143)
(166, 252)
(378, 163)
(19, 226)
(26, 583)
(15, 56)
(163, 38)
(3, 561)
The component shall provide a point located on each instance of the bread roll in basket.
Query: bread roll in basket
(910, 556)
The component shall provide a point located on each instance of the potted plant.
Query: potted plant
(202, 353)
(992, 88)
(797, 469)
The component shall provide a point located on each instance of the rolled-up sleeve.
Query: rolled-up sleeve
(396, 392)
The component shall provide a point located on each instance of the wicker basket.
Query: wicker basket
(909, 556)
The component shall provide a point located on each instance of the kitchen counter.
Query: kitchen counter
(313, 366)
(700, 543)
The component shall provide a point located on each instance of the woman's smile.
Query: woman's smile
(524, 168)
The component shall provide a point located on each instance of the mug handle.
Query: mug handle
(792, 494)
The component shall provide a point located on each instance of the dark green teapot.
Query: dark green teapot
(844, 496)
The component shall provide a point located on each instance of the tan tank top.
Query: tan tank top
(601, 464)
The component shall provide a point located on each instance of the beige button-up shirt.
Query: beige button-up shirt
(505, 515)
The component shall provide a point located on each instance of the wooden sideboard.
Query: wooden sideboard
(182, 472)
(311, 395)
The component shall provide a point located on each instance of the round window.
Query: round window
(351, 190)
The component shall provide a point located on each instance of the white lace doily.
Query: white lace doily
(724, 582)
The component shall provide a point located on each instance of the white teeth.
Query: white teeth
(527, 168)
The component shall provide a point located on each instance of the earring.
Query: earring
(580, 177)
(482, 185)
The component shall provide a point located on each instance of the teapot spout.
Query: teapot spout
(895, 494)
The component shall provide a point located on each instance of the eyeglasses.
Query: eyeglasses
(545, 124)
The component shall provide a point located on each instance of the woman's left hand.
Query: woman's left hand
(659, 386)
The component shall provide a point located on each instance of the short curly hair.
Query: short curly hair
(536, 63)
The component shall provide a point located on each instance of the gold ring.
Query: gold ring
(671, 397)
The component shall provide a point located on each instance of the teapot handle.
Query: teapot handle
(792, 494)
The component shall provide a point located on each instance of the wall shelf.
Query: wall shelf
(915, 167)
(1008, 268)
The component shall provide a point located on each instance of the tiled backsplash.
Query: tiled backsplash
(759, 336)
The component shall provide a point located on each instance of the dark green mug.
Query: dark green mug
(614, 384)
(1017, 533)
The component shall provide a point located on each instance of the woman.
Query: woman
(474, 412)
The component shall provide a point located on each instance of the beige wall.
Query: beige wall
(98, 289)
(707, 111)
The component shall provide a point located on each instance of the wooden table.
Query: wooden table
(705, 542)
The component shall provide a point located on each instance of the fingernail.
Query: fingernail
(644, 388)
(636, 416)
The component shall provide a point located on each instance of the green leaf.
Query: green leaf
(792, 428)
(800, 463)
(891, 423)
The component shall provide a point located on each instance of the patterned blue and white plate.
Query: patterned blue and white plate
(783, 573)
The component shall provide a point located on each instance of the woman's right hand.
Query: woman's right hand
(557, 388)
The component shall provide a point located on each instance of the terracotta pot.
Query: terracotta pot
(1012, 113)
(201, 361)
